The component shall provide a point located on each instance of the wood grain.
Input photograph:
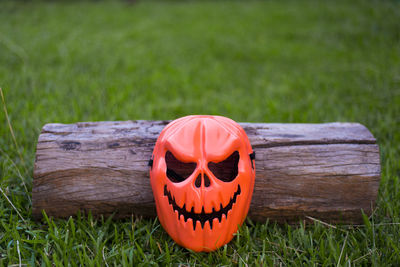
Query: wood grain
(328, 171)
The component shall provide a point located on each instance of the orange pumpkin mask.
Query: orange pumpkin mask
(202, 175)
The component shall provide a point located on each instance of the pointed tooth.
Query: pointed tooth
(210, 221)
(202, 222)
(192, 210)
(202, 211)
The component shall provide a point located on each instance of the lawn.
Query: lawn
(255, 61)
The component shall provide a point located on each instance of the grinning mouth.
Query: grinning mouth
(202, 217)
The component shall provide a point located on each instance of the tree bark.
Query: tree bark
(327, 171)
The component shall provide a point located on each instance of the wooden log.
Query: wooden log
(327, 171)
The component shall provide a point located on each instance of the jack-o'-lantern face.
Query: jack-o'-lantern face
(202, 177)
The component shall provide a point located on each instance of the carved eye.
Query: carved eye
(178, 171)
(226, 170)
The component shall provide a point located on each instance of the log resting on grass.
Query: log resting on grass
(328, 171)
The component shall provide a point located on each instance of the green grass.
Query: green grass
(314, 61)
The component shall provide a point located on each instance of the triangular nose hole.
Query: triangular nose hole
(206, 181)
(197, 183)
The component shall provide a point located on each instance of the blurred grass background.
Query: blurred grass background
(255, 61)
